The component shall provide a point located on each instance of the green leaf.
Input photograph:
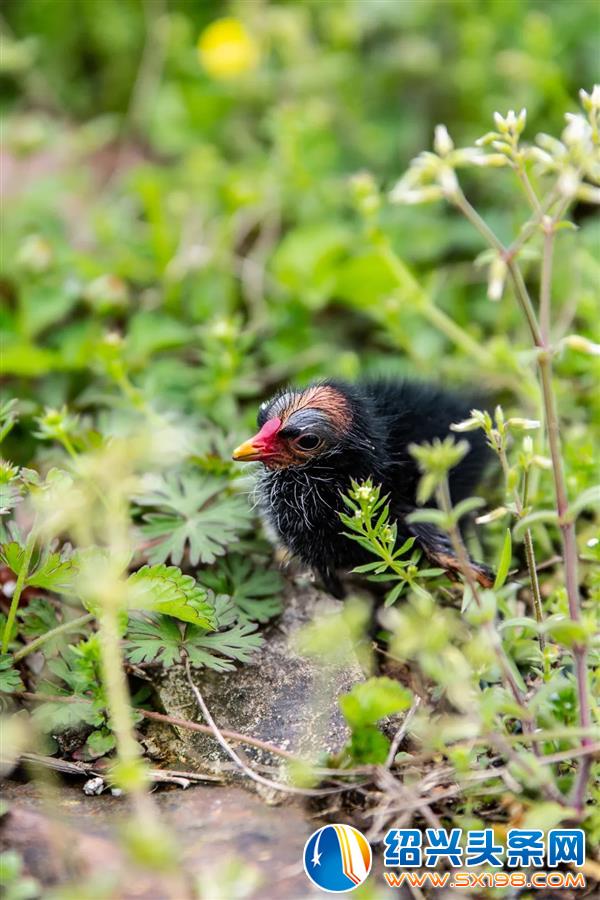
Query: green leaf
(566, 631)
(466, 506)
(194, 514)
(220, 650)
(38, 617)
(591, 497)
(153, 639)
(12, 555)
(53, 717)
(99, 743)
(369, 746)
(255, 591)
(534, 518)
(395, 593)
(10, 680)
(158, 639)
(504, 561)
(547, 815)
(53, 573)
(374, 699)
(9, 416)
(165, 589)
(435, 516)
(520, 622)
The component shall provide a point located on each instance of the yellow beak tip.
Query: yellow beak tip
(245, 452)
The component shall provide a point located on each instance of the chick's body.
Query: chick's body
(313, 442)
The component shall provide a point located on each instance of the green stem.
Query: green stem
(21, 579)
(529, 191)
(545, 369)
(535, 586)
(508, 255)
(34, 645)
(445, 504)
(115, 683)
(528, 540)
(411, 287)
(546, 283)
(68, 445)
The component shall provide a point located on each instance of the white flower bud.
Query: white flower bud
(467, 425)
(501, 123)
(490, 160)
(524, 424)
(496, 279)
(589, 193)
(448, 182)
(568, 183)
(442, 142)
(578, 131)
(492, 516)
(413, 196)
(582, 345)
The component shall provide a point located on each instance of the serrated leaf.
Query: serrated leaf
(194, 514)
(12, 555)
(38, 617)
(158, 639)
(256, 592)
(153, 639)
(220, 650)
(504, 561)
(165, 589)
(52, 573)
(10, 680)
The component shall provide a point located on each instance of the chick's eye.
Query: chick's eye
(308, 442)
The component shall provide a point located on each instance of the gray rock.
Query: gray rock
(281, 697)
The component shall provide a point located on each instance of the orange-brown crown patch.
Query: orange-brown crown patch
(319, 396)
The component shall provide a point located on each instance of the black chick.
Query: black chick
(314, 441)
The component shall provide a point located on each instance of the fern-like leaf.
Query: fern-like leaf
(192, 513)
(255, 591)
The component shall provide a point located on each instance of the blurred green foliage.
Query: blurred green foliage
(187, 231)
(208, 219)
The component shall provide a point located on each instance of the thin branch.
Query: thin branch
(91, 769)
(259, 779)
(34, 645)
(169, 720)
(400, 734)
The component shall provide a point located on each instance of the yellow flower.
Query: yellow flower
(227, 50)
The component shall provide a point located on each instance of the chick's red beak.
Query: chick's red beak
(261, 445)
